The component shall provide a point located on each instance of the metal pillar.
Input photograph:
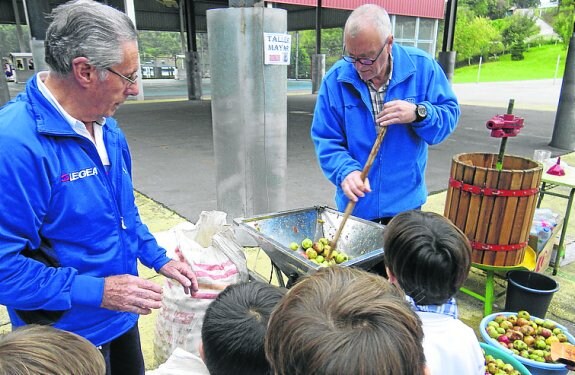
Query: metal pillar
(192, 58)
(249, 111)
(317, 71)
(35, 14)
(317, 60)
(564, 128)
(19, 34)
(446, 57)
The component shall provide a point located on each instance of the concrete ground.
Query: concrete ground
(175, 178)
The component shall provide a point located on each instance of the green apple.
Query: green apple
(306, 243)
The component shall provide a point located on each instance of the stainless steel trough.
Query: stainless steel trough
(361, 240)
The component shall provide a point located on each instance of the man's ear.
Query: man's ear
(390, 276)
(84, 73)
(201, 350)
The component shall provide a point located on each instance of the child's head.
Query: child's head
(234, 329)
(427, 255)
(35, 349)
(341, 320)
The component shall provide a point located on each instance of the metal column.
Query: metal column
(249, 111)
(564, 128)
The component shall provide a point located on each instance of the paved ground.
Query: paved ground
(171, 142)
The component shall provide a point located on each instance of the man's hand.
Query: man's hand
(396, 112)
(353, 187)
(132, 294)
(182, 273)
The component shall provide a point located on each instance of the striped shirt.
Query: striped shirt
(449, 308)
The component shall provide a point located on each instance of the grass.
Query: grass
(539, 63)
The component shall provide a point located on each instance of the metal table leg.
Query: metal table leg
(561, 247)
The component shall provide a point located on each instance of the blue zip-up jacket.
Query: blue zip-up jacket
(58, 198)
(343, 131)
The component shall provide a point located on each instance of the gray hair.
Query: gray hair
(89, 29)
(368, 15)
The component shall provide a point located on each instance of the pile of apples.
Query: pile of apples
(498, 367)
(526, 337)
(317, 252)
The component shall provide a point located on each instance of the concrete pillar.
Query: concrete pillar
(447, 62)
(317, 71)
(564, 128)
(131, 12)
(249, 111)
(35, 14)
(4, 91)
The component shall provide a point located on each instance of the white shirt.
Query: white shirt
(76, 125)
(181, 362)
(451, 347)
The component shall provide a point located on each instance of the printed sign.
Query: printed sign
(277, 49)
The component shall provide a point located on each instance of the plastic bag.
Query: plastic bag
(209, 248)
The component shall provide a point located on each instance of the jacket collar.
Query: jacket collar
(48, 119)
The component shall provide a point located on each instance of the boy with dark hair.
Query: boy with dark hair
(341, 320)
(235, 326)
(429, 258)
(233, 334)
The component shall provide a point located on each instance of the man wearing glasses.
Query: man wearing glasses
(380, 86)
(70, 232)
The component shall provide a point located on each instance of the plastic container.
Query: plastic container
(505, 357)
(542, 237)
(529, 291)
(536, 368)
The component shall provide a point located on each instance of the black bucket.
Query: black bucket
(529, 291)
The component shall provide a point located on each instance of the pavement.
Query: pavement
(174, 170)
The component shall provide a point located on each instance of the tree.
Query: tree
(527, 3)
(331, 46)
(517, 29)
(474, 36)
(563, 24)
(492, 9)
(159, 43)
(9, 39)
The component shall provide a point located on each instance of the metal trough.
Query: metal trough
(361, 240)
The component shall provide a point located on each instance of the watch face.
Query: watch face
(422, 110)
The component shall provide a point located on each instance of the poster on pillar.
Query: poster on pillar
(277, 48)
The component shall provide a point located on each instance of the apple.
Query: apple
(306, 243)
(524, 314)
(312, 254)
(499, 318)
(318, 246)
(294, 246)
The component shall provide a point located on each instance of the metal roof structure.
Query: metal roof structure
(155, 15)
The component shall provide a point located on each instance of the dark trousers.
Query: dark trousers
(123, 355)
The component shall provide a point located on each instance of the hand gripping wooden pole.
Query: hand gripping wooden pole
(351, 204)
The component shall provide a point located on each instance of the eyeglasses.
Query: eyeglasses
(132, 80)
(363, 60)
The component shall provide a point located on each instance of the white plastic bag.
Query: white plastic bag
(217, 261)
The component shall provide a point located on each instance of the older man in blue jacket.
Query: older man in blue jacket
(380, 86)
(70, 232)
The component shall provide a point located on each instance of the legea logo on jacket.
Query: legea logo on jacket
(73, 176)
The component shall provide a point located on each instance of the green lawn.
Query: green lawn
(539, 63)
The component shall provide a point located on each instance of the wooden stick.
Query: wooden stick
(351, 204)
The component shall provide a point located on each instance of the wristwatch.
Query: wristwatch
(420, 112)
